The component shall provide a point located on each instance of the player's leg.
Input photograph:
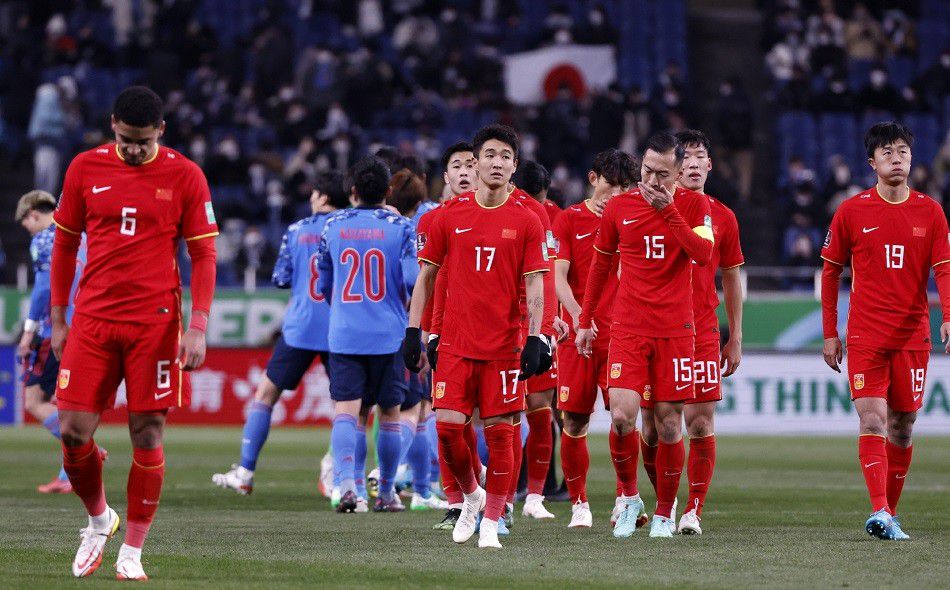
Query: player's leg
(475, 437)
(387, 387)
(420, 461)
(37, 404)
(700, 462)
(578, 380)
(538, 450)
(347, 383)
(359, 466)
(624, 453)
(408, 422)
(649, 439)
(670, 456)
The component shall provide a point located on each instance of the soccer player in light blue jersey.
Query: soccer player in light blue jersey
(304, 333)
(35, 213)
(367, 266)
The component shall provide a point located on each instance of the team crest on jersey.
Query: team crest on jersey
(615, 370)
(63, 378)
(509, 234)
(440, 390)
(163, 194)
(647, 392)
(421, 241)
(859, 382)
(920, 232)
(827, 239)
(565, 393)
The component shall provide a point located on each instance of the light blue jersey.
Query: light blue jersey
(41, 252)
(308, 316)
(423, 208)
(367, 264)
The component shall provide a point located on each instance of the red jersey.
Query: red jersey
(575, 231)
(552, 210)
(487, 252)
(133, 217)
(727, 253)
(422, 232)
(655, 295)
(550, 292)
(891, 248)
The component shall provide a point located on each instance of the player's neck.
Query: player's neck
(490, 198)
(893, 193)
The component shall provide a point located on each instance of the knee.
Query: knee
(873, 424)
(670, 429)
(700, 426)
(31, 404)
(576, 424)
(267, 393)
(622, 419)
(648, 434)
(73, 437)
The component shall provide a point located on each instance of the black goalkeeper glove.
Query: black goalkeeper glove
(412, 349)
(531, 357)
(432, 350)
(547, 356)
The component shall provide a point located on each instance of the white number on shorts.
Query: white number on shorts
(682, 370)
(164, 375)
(895, 255)
(489, 257)
(655, 248)
(705, 372)
(917, 380)
(128, 221)
(505, 375)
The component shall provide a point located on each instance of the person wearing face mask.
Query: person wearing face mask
(880, 95)
(837, 97)
(597, 30)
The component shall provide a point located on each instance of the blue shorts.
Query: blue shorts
(41, 367)
(420, 388)
(377, 379)
(288, 364)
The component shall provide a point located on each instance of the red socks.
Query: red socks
(575, 462)
(649, 461)
(699, 470)
(873, 457)
(453, 493)
(144, 489)
(898, 463)
(83, 465)
(538, 448)
(500, 472)
(669, 467)
(472, 442)
(516, 455)
(454, 450)
(624, 451)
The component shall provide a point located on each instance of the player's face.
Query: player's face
(136, 144)
(31, 223)
(659, 170)
(496, 163)
(696, 167)
(460, 174)
(892, 162)
(603, 190)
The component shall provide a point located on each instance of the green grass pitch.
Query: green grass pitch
(783, 512)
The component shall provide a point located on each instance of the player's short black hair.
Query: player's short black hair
(370, 178)
(664, 142)
(693, 138)
(617, 167)
(532, 178)
(388, 154)
(502, 133)
(885, 133)
(459, 146)
(138, 106)
(333, 184)
(411, 162)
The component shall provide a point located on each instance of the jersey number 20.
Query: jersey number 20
(373, 264)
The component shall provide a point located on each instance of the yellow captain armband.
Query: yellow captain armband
(704, 232)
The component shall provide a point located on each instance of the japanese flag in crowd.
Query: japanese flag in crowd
(533, 76)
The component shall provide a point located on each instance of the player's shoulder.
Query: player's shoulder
(456, 203)
(859, 200)
(387, 216)
(925, 200)
(313, 222)
(690, 197)
(719, 209)
(176, 160)
(338, 216)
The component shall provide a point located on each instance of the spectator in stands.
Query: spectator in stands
(900, 33)
(636, 126)
(606, 120)
(795, 94)
(942, 169)
(880, 95)
(734, 123)
(558, 26)
(597, 30)
(923, 180)
(47, 131)
(836, 98)
(839, 186)
(934, 83)
(785, 55)
(864, 38)
(797, 174)
(826, 22)
(828, 58)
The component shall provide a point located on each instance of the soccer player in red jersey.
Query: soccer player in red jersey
(489, 242)
(892, 236)
(658, 229)
(135, 200)
(535, 180)
(579, 377)
(699, 412)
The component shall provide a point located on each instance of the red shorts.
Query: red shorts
(463, 384)
(659, 369)
(706, 379)
(578, 377)
(99, 354)
(895, 375)
(546, 381)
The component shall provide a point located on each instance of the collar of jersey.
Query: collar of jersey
(149, 161)
(901, 202)
(477, 202)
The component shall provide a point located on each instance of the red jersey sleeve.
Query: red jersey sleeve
(608, 236)
(837, 246)
(730, 251)
(535, 248)
(433, 249)
(436, 307)
(562, 237)
(198, 219)
(940, 247)
(70, 214)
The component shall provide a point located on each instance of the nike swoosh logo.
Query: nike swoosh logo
(582, 236)
(671, 473)
(621, 460)
(707, 389)
(462, 231)
(502, 473)
(866, 465)
(100, 189)
(868, 230)
(682, 387)
(149, 503)
(899, 476)
(629, 221)
(573, 478)
(917, 397)
(159, 396)
(508, 401)
(698, 484)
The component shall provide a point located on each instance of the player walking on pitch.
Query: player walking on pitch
(489, 243)
(892, 236)
(658, 230)
(135, 200)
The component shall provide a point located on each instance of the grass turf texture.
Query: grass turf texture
(782, 512)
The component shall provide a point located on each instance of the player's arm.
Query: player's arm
(431, 258)
(693, 231)
(199, 229)
(836, 252)
(605, 248)
(282, 276)
(409, 261)
(564, 292)
(940, 261)
(70, 219)
(732, 293)
(39, 304)
(325, 268)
